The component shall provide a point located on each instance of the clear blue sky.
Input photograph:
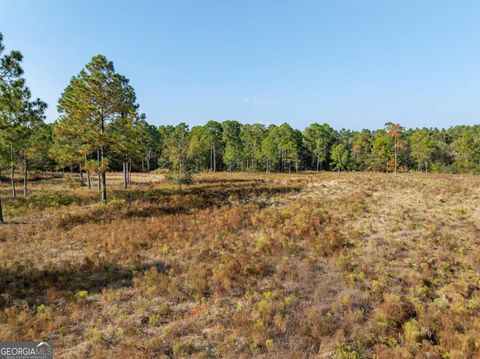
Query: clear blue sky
(351, 63)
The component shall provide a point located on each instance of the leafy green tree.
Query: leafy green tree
(148, 142)
(288, 146)
(176, 147)
(70, 146)
(10, 72)
(382, 148)
(96, 97)
(215, 134)
(32, 136)
(422, 146)
(252, 137)
(233, 145)
(361, 149)
(467, 149)
(19, 114)
(42, 140)
(10, 64)
(270, 148)
(281, 148)
(125, 139)
(340, 156)
(199, 147)
(394, 130)
(123, 132)
(318, 139)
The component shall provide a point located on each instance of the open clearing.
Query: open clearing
(344, 265)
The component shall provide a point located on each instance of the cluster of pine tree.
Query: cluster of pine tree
(234, 146)
(100, 129)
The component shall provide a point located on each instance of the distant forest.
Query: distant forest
(100, 129)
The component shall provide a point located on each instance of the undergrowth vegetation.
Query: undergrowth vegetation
(248, 265)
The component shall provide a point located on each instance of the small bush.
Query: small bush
(179, 178)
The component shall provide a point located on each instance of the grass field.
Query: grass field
(342, 265)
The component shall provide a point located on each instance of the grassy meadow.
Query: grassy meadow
(241, 265)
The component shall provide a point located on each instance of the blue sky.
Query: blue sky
(351, 63)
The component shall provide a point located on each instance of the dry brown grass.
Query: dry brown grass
(347, 265)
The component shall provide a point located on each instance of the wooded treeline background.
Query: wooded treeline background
(100, 129)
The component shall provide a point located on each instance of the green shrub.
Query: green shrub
(180, 178)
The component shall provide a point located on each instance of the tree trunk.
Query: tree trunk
(104, 177)
(89, 180)
(81, 175)
(25, 178)
(98, 166)
(12, 173)
(102, 157)
(214, 159)
(125, 180)
(210, 160)
(129, 172)
(395, 156)
(1, 212)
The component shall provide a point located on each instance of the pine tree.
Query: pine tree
(318, 140)
(96, 98)
(394, 130)
(340, 156)
(19, 114)
(422, 147)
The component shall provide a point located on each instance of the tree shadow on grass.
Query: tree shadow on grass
(161, 202)
(32, 285)
(215, 192)
(228, 180)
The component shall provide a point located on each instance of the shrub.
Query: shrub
(179, 178)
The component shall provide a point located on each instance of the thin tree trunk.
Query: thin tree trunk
(99, 177)
(81, 175)
(210, 160)
(102, 156)
(129, 169)
(214, 159)
(1, 212)
(395, 155)
(104, 177)
(89, 180)
(12, 173)
(25, 178)
(125, 180)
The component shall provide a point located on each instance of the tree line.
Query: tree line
(100, 128)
